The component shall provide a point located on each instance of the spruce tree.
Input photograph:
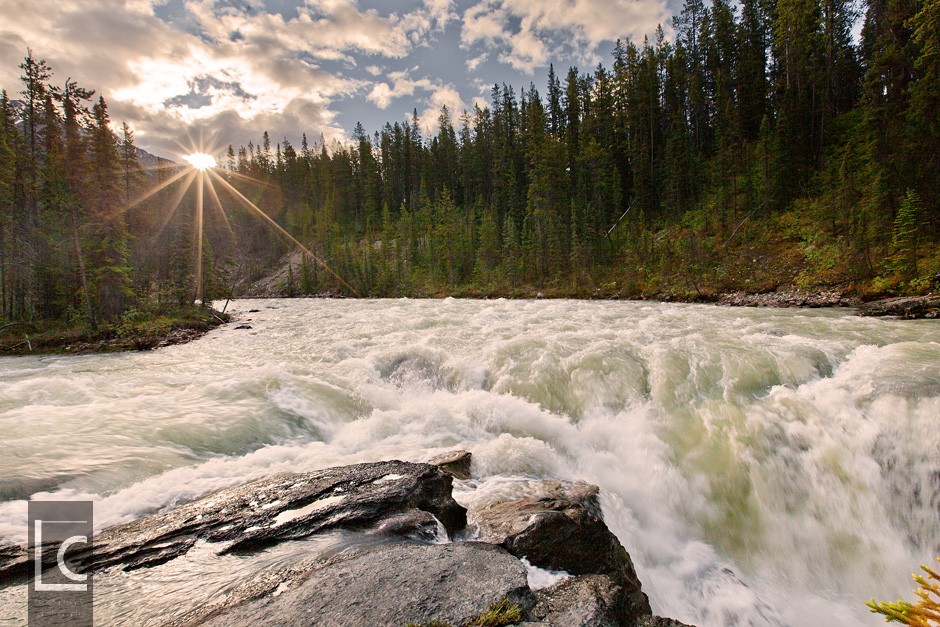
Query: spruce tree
(906, 236)
(104, 197)
(74, 110)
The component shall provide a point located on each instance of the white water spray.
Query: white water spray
(762, 467)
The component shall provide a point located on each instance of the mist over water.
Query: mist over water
(762, 467)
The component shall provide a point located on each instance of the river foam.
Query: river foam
(762, 467)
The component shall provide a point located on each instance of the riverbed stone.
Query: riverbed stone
(563, 529)
(397, 584)
(906, 307)
(455, 463)
(831, 298)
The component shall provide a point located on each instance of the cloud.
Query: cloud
(234, 68)
(323, 30)
(382, 94)
(484, 23)
(401, 85)
(444, 96)
(228, 66)
(581, 25)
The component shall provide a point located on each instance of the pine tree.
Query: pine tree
(74, 110)
(923, 121)
(907, 236)
(9, 144)
(307, 277)
(36, 73)
(797, 46)
(754, 38)
(109, 231)
(290, 287)
(889, 54)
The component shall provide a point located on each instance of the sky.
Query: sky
(209, 73)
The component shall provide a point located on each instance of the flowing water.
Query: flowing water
(762, 467)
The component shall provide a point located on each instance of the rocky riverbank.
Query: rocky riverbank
(789, 299)
(140, 333)
(417, 556)
(906, 307)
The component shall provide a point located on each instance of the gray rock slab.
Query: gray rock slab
(393, 585)
(265, 512)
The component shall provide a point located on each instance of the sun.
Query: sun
(200, 160)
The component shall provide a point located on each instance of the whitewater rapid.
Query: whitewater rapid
(762, 467)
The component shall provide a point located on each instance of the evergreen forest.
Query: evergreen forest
(762, 147)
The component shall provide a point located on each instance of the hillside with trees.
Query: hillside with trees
(762, 148)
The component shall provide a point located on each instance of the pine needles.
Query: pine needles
(923, 613)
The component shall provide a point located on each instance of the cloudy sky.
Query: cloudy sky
(230, 69)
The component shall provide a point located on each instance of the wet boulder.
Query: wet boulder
(907, 307)
(454, 463)
(583, 601)
(563, 529)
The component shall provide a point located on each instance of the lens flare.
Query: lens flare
(203, 164)
(200, 160)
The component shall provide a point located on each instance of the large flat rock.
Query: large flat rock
(396, 585)
(388, 560)
(390, 496)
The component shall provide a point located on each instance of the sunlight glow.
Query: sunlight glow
(202, 163)
(200, 160)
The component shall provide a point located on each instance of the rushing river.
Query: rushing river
(762, 467)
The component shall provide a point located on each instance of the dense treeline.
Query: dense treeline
(762, 146)
(74, 243)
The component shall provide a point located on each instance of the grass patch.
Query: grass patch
(503, 612)
(499, 614)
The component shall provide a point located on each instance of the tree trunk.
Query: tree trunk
(76, 241)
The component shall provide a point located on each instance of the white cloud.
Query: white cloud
(581, 24)
(527, 51)
(474, 62)
(441, 12)
(402, 85)
(322, 30)
(442, 96)
(592, 21)
(484, 23)
(236, 68)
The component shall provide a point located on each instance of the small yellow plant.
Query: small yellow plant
(924, 613)
(503, 612)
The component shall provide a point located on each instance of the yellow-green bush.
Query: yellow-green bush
(924, 613)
